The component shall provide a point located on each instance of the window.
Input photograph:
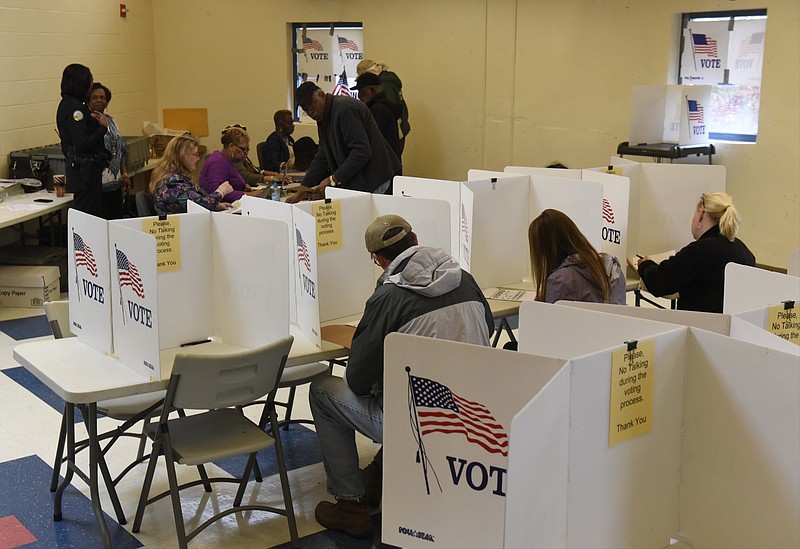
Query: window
(726, 50)
(326, 54)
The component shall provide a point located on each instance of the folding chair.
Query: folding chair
(218, 384)
(129, 410)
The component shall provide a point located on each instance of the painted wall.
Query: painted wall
(488, 82)
(38, 39)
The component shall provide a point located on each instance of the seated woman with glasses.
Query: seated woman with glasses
(171, 183)
(220, 166)
(250, 173)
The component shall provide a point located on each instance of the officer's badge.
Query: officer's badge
(77, 116)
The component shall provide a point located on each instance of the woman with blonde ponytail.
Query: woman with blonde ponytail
(697, 272)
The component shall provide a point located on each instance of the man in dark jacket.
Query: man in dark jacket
(385, 113)
(422, 291)
(352, 152)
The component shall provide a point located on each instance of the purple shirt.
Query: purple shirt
(218, 169)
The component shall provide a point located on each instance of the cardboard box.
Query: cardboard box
(23, 286)
(670, 114)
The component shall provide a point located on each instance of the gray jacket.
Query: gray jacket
(572, 281)
(422, 292)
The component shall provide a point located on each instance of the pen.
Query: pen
(640, 257)
(196, 342)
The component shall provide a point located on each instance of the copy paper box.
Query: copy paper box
(23, 286)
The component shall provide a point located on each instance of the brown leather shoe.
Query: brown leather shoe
(372, 475)
(347, 515)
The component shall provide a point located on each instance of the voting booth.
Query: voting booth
(89, 281)
(669, 114)
(647, 431)
(748, 288)
(345, 273)
(663, 198)
(492, 210)
(178, 281)
(617, 196)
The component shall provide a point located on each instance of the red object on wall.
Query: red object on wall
(123, 10)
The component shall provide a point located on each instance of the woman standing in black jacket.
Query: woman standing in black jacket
(82, 135)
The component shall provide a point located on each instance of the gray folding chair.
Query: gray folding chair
(219, 384)
(128, 410)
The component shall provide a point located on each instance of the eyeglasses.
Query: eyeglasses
(244, 150)
(195, 153)
(240, 126)
(374, 260)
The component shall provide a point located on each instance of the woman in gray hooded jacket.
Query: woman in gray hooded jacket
(565, 266)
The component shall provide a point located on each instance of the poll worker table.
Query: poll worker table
(82, 376)
(17, 209)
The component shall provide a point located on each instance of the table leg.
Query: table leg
(69, 414)
(90, 418)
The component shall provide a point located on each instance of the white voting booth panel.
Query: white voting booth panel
(712, 322)
(624, 495)
(752, 326)
(134, 294)
(217, 289)
(448, 488)
(669, 114)
(300, 229)
(668, 197)
(347, 275)
(748, 288)
(500, 243)
(740, 465)
(89, 281)
(615, 206)
(436, 189)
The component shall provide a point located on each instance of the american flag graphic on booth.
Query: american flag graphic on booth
(302, 250)
(346, 44)
(83, 254)
(752, 45)
(341, 85)
(695, 111)
(608, 213)
(129, 275)
(704, 45)
(309, 44)
(439, 410)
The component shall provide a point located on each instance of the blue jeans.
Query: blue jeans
(338, 414)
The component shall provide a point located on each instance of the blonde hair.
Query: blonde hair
(552, 237)
(173, 160)
(719, 206)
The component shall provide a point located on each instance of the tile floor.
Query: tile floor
(29, 427)
(30, 418)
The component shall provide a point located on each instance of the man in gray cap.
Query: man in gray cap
(352, 152)
(422, 291)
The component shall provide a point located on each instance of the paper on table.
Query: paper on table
(341, 334)
(633, 260)
(25, 207)
(509, 294)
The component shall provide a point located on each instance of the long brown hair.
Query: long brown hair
(552, 237)
(172, 161)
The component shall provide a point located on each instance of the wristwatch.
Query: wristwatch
(333, 181)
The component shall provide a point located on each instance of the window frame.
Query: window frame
(297, 29)
(731, 15)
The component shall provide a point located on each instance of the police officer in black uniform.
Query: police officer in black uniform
(82, 135)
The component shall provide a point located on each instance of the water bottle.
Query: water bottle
(276, 192)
